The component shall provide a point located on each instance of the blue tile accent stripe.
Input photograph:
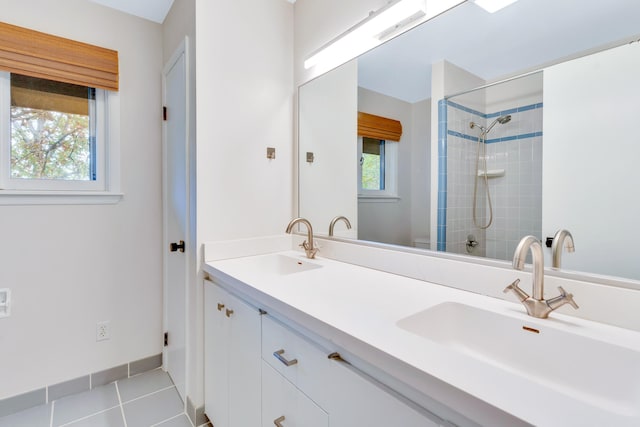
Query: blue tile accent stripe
(495, 114)
(494, 140)
(442, 175)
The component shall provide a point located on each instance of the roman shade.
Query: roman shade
(379, 127)
(35, 54)
(30, 92)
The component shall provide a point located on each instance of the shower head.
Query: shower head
(502, 120)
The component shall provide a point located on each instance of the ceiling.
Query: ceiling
(524, 36)
(153, 10)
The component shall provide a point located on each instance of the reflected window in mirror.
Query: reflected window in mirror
(377, 166)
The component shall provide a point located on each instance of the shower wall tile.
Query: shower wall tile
(516, 197)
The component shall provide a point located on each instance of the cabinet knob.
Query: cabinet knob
(229, 312)
(279, 355)
(220, 307)
(278, 421)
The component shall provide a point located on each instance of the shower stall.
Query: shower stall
(490, 179)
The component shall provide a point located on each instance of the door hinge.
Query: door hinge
(164, 113)
(166, 339)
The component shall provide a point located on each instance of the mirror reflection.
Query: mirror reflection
(474, 170)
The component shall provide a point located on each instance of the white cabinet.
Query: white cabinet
(281, 346)
(232, 359)
(285, 405)
(351, 398)
(359, 400)
(261, 372)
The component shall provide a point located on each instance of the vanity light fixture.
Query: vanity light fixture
(369, 33)
(492, 6)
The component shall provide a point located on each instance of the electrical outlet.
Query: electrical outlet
(103, 331)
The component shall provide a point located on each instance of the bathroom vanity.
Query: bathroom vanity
(323, 342)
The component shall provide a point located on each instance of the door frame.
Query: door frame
(182, 49)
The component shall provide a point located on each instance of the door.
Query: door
(176, 216)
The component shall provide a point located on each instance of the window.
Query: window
(59, 127)
(53, 136)
(376, 167)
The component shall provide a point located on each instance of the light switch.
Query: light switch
(5, 302)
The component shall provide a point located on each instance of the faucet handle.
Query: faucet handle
(568, 298)
(311, 252)
(562, 299)
(513, 287)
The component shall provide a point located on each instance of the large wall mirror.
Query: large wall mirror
(519, 122)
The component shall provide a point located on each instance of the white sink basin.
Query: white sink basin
(278, 264)
(555, 353)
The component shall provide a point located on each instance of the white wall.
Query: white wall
(385, 220)
(421, 170)
(591, 154)
(72, 266)
(244, 104)
(328, 122)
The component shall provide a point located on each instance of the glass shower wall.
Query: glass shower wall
(514, 168)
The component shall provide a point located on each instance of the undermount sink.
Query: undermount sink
(555, 353)
(279, 264)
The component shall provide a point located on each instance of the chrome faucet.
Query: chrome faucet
(336, 219)
(536, 306)
(561, 238)
(307, 245)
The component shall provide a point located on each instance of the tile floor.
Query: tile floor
(146, 400)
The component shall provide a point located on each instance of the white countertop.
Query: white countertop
(359, 308)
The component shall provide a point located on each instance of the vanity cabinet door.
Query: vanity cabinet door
(216, 355)
(359, 400)
(232, 359)
(286, 406)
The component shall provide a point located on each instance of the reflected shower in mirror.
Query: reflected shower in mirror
(491, 168)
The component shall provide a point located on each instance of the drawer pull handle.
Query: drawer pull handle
(279, 355)
(220, 307)
(278, 421)
(229, 312)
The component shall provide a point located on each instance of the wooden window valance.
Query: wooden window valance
(379, 127)
(35, 54)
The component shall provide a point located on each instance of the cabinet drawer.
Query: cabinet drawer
(297, 359)
(362, 401)
(283, 404)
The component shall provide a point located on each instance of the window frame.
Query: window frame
(103, 190)
(390, 170)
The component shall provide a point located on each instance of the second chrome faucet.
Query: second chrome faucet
(536, 305)
(335, 220)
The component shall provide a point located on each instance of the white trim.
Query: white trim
(363, 198)
(19, 197)
(5, 128)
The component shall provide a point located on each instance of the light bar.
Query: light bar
(366, 34)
